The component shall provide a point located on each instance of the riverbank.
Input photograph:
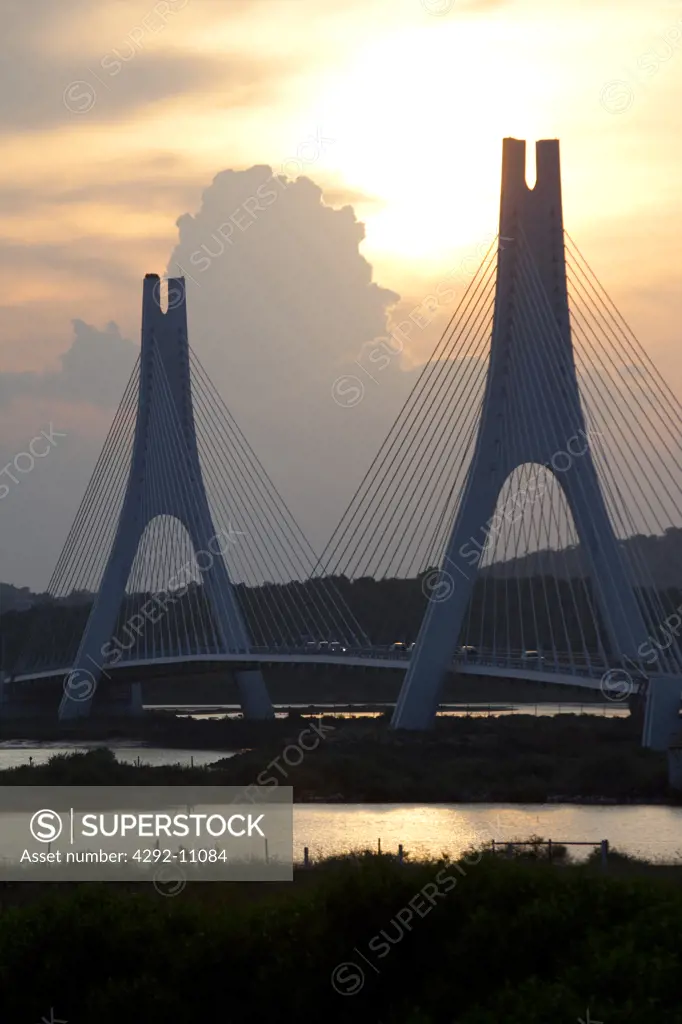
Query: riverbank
(160, 728)
(197, 727)
(358, 939)
(523, 759)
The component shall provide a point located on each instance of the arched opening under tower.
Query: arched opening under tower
(533, 598)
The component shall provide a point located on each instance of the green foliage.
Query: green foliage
(519, 758)
(534, 848)
(511, 941)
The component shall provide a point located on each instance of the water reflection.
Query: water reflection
(609, 709)
(651, 832)
(17, 752)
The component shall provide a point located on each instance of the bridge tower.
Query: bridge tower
(531, 411)
(165, 439)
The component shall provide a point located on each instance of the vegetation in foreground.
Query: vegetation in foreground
(517, 758)
(479, 941)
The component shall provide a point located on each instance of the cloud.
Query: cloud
(167, 186)
(93, 371)
(49, 94)
(284, 306)
(76, 402)
(337, 196)
(112, 75)
(281, 304)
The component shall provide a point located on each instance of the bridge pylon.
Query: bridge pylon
(531, 412)
(164, 449)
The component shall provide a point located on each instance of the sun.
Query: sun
(419, 119)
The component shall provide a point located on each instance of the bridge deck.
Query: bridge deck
(522, 669)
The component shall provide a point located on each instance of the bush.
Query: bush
(506, 942)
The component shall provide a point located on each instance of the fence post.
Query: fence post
(493, 845)
(267, 856)
(306, 858)
(379, 846)
(400, 853)
(549, 850)
(604, 853)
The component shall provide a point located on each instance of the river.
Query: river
(650, 831)
(16, 752)
(653, 832)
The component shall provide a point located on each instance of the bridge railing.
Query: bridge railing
(542, 663)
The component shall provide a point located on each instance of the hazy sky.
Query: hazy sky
(131, 131)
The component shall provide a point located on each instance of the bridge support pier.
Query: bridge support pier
(253, 694)
(662, 712)
(675, 768)
(122, 701)
(136, 700)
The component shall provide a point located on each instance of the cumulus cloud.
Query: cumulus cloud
(75, 402)
(93, 371)
(282, 305)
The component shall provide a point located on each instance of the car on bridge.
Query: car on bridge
(325, 646)
(468, 651)
(532, 656)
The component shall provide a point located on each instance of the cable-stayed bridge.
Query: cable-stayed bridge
(520, 519)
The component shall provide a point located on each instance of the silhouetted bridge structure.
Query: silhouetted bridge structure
(536, 458)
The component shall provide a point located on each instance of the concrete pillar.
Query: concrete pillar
(136, 708)
(675, 768)
(253, 694)
(662, 714)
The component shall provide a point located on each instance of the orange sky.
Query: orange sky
(415, 105)
(122, 114)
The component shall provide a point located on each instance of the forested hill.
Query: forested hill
(384, 610)
(661, 554)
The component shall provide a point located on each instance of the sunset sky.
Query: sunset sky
(116, 117)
